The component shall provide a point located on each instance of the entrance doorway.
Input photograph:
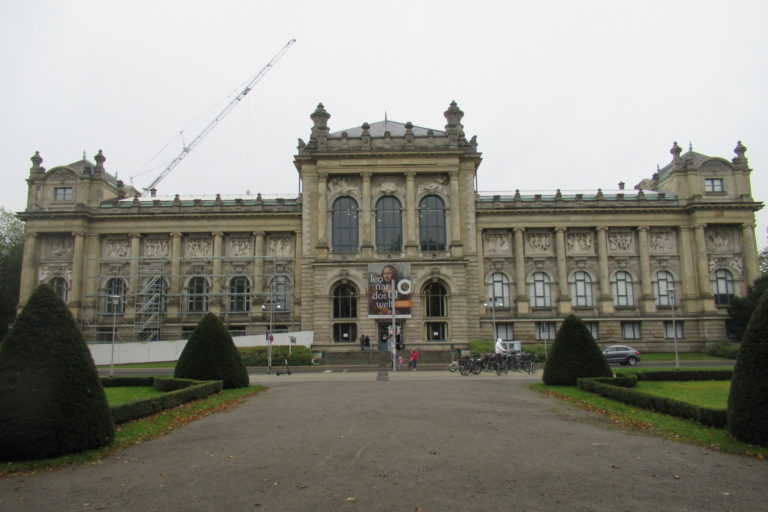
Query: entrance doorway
(383, 337)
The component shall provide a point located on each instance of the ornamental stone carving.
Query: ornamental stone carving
(49, 271)
(733, 264)
(388, 187)
(538, 243)
(238, 247)
(157, 248)
(58, 249)
(436, 186)
(198, 247)
(580, 243)
(719, 240)
(715, 166)
(621, 242)
(117, 248)
(498, 244)
(280, 246)
(340, 186)
(662, 242)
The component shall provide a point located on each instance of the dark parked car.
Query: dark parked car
(622, 354)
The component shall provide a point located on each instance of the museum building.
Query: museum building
(389, 226)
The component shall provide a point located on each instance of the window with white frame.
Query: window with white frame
(713, 185)
(505, 331)
(545, 331)
(663, 289)
(63, 194)
(115, 300)
(593, 328)
(344, 333)
(630, 330)
(60, 287)
(623, 290)
(581, 289)
(239, 294)
(673, 330)
(498, 289)
(539, 290)
(436, 331)
(197, 295)
(722, 287)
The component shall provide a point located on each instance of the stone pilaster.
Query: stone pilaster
(174, 301)
(365, 215)
(648, 303)
(687, 271)
(258, 267)
(523, 303)
(749, 248)
(564, 298)
(456, 243)
(702, 269)
(217, 299)
(606, 294)
(29, 269)
(411, 244)
(322, 219)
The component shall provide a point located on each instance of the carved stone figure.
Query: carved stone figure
(579, 242)
(718, 240)
(734, 264)
(156, 247)
(621, 242)
(238, 247)
(198, 247)
(388, 187)
(59, 249)
(280, 246)
(436, 186)
(117, 248)
(498, 243)
(661, 242)
(538, 242)
(340, 186)
(47, 272)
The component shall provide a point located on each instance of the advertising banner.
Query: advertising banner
(382, 278)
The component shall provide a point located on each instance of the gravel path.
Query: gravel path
(424, 441)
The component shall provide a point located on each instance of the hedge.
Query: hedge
(185, 390)
(608, 389)
(684, 375)
(257, 356)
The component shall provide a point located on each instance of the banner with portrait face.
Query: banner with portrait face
(382, 279)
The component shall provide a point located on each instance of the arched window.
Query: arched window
(151, 296)
(663, 289)
(722, 287)
(115, 300)
(623, 290)
(581, 290)
(344, 224)
(389, 225)
(197, 295)
(60, 287)
(498, 289)
(344, 301)
(539, 290)
(239, 294)
(432, 223)
(282, 292)
(435, 300)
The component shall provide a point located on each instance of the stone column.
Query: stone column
(92, 273)
(647, 300)
(523, 303)
(322, 207)
(29, 268)
(749, 248)
(365, 214)
(216, 304)
(702, 269)
(258, 266)
(78, 262)
(564, 298)
(689, 297)
(606, 295)
(456, 243)
(411, 244)
(174, 299)
(133, 275)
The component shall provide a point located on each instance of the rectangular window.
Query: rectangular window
(344, 333)
(630, 330)
(713, 185)
(104, 335)
(592, 327)
(670, 327)
(236, 330)
(505, 331)
(63, 194)
(545, 331)
(436, 331)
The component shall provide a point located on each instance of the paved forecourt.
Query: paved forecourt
(382, 441)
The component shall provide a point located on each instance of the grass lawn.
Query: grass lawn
(121, 395)
(683, 356)
(141, 430)
(704, 393)
(669, 427)
(158, 364)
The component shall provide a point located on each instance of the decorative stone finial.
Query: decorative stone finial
(36, 161)
(100, 158)
(740, 149)
(320, 116)
(676, 150)
(453, 127)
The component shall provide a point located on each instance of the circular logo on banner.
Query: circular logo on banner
(404, 286)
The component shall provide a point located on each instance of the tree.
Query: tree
(574, 355)
(51, 400)
(210, 354)
(11, 252)
(741, 308)
(763, 259)
(748, 398)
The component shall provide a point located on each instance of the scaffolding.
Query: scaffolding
(151, 299)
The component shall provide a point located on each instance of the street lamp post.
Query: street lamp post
(271, 328)
(673, 300)
(492, 304)
(115, 301)
(393, 329)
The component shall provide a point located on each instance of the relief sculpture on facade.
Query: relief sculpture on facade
(719, 240)
(498, 244)
(156, 248)
(280, 246)
(117, 248)
(197, 247)
(238, 247)
(47, 272)
(579, 242)
(538, 242)
(661, 242)
(59, 249)
(621, 243)
(340, 187)
(436, 186)
(734, 264)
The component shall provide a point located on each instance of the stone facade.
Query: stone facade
(677, 247)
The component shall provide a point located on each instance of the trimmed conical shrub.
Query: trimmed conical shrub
(748, 398)
(574, 355)
(210, 354)
(51, 399)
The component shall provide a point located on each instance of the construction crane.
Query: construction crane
(187, 148)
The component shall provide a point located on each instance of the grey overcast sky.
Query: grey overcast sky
(563, 94)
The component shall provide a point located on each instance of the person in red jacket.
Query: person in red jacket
(414, 359)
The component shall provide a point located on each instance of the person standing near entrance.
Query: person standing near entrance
(362, 342)
(414, 359)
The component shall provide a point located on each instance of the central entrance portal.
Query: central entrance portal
(383, 329)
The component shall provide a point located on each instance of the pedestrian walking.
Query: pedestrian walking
(413, 360)
(362, 343)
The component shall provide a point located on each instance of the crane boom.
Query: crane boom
(232, 104)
